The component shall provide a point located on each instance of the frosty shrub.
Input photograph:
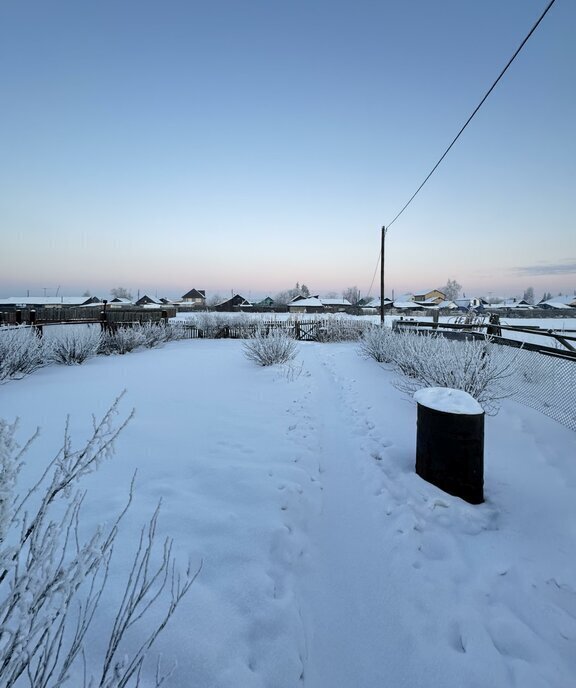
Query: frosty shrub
(478, 367)
(213, 324)
(155, 334)
(341, 329)
(176, 331)
(207, 323)
(244, 324)
(268, 348)
(52, 581)
(378, 343)
(22, 351)
(73, 345)
(122, 340)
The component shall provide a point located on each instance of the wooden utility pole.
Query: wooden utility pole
(382, 276)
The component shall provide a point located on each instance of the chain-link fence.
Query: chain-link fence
(543, 377)
(547, 383)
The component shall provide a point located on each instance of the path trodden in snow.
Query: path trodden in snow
(403, 585)
(350, 611)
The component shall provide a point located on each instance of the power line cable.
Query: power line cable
(475, 111)
(373, 277)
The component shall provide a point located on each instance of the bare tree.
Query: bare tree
(121, 293)
(529, 295)
(214, 300)
(286, 296)
(451, 289)
(352, 294)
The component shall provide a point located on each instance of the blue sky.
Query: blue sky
(245, 146)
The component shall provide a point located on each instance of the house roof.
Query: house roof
(334, 302)
(405, 304)
(310, 301)
(195, 294)
(45, 300)
(240, 301)
(427, 291)
(425, 302)
(375, 303)
(556, 303)
(512, 303)
(150, 299)
(301, 297)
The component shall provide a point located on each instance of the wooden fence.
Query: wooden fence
(302, 330)
(566, 339)
(71, 315)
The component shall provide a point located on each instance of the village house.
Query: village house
(267, 302)
(301, 304)
(236, 303)
(558, 302)
(429, 298)
(195, 297)
(466, 304)
(511, 304)
(152, 301)
(335, 305)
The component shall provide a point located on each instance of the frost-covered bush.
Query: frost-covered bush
(214, 324)
(176, 331)
(341, 329)
(73, 345)
(155, 334)
(479, 367)
(53, 582)
(378, 342)
(22, 351)
(270, 347)
(244, 324)
(122, 340)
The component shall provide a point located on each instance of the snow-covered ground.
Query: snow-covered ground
(327, 562)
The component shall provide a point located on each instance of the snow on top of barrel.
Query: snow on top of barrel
(448, 400)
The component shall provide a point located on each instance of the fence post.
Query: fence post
(32, 320)
(103, 317)
(494, 326)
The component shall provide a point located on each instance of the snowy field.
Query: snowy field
(326, 561)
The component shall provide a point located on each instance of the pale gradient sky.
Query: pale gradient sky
(248, 145)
